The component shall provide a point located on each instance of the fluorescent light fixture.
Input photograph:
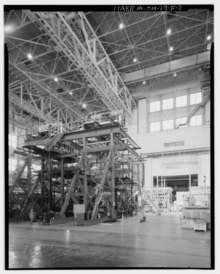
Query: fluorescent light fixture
(135, 60)
(55, 79)
(209, 37)
(171, 48)
(121, 26)
(30, 56)
(169, 31)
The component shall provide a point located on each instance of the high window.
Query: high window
(168, 103)
(167, 124)
(12, 141)
(180, 121)
(181, 101)
(154, 126)
(195, 98)
(155, 106)
(196, 120)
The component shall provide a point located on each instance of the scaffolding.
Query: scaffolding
(97, 166)
(158, 199)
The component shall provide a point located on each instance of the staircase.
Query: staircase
(52, 141)
(145, 195)
(193, 112)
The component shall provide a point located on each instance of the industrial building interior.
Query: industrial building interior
(109, 119)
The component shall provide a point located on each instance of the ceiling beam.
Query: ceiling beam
(167, 68)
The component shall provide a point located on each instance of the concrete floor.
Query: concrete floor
(160, 242)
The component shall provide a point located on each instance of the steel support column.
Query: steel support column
(85, 186)
(113, 215)
(50, 184)
(62, 182)
(42, 183)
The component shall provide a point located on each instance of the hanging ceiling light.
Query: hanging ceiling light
(135, 60)
(171, 48)
(121, 26)
(55, 79)
(29, 56)
(8, 28)
(175, 74)
(84, 106)
(144, 82)
(70, 92)
(169, 31)
(208, 37)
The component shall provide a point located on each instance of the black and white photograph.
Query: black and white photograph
(109, 135)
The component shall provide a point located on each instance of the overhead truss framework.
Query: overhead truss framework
(68, 68)
(144, 35)
(74, 36)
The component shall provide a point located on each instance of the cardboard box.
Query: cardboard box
(187, 223)
(199, 225)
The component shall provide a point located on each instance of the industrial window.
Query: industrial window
(12, 141)
(12, 164)
(180, 121)
(181, 101)
(168, 124)
(36, 167)
(168, 103)
(154, 126)
(196, 120)
(155, 106)
(195, 98)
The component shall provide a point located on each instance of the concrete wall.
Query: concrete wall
(170, 166)
(204, 169)
(170, 140)
(189, 138)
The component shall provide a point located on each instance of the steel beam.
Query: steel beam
(90, 133)
(68, 196)
(167, 68)
(100, 187)
(18, 177)
(86, 51)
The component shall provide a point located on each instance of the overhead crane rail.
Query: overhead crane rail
(76, 39)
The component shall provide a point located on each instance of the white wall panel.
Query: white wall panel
(142, 116)
(204, 169)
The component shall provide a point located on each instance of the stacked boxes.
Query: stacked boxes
(196, 218)
(199, 225)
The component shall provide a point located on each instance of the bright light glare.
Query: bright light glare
(70, 93)
(56, 79)
(175, 74)
(8, 28)
(209, 37)
(30, 56)
(121, 26)
(135, 60)
(171, 48)
(169, 31)
(84, 105)
(144, 82)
